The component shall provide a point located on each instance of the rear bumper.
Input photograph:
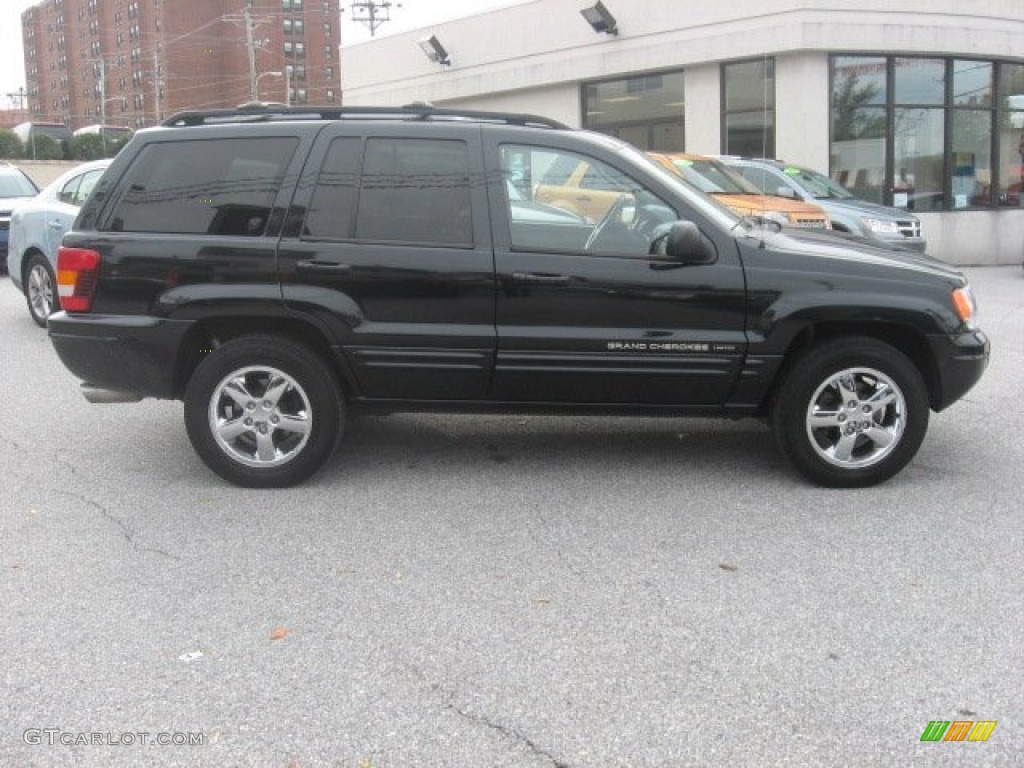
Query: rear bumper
(962, 360)
(122, 353)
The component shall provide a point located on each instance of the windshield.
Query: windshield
(16, 185)
(712, 177)
(816, 184)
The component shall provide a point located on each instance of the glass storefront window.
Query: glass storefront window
(647, 111)
(749, 108)
(972, 83)
(972, 158)
(859, 124)
(1011, 134)
(750, 134)
(927, 133)
(919, 81)
(918, 159)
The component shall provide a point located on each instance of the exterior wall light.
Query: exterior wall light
(600, 19)
(434, 51)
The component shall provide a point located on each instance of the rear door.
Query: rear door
(585, 313)
(387, 244)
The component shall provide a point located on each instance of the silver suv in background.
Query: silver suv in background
(890, 227)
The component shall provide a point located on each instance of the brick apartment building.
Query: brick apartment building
(134, 62)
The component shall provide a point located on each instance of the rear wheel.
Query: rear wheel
(40, 289)
(851, 412)
(263, 412)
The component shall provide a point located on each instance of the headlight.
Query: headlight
(965, 305)
(881, 227)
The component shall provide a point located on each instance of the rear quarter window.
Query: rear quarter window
(204, 186)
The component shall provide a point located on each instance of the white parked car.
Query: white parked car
(37, 227)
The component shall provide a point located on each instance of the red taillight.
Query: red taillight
(77, 269)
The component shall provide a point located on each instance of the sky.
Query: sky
(412, 14)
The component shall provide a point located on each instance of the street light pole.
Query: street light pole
(262, 75)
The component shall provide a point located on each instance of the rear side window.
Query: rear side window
(211, 186)
(415, 191)
(409, 191)
(77, 189)
(330, 213)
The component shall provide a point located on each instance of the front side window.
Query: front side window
(749, 108)
(560, 201)
(213, 186)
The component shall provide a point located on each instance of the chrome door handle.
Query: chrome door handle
(534, 278)
(315, 265)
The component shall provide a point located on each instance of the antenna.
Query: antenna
(372, 13)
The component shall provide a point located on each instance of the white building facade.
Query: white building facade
(912, 103)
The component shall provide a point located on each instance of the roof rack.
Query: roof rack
(267, 112)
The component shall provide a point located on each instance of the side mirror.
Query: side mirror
(785, 191)
(684, 243)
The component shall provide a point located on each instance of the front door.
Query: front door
(585, 313)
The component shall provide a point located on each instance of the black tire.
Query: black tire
(850, 412)
(40, 289)
(264, 411)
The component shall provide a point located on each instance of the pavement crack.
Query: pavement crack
(447, 696)
(504, 730)
(127, 532)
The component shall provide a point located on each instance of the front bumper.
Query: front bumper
(125, 354)
(915, 244)
(961, 360)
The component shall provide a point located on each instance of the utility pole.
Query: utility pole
(372, 13)
(251, 46)
(156, 82)
(103, 104)
(17, 97)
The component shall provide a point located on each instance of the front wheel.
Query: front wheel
(851, 412)
(263, 412)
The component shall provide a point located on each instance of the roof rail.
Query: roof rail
(267, 112)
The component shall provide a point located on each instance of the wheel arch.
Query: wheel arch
(908, 340)
(26, 258)
(205, 335)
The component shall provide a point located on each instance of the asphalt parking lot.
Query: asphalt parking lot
(506, 591)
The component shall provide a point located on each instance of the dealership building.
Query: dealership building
(912, 103)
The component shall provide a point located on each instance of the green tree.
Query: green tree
(43, 147)
(850, 120)
(88, 146)
(116, 145)
(10, 144)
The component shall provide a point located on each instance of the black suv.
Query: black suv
(275, 267)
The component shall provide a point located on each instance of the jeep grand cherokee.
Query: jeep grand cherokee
(276, 267)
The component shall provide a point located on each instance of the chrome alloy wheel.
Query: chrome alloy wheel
(40, 291)
(260, 416)
(856, 418)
